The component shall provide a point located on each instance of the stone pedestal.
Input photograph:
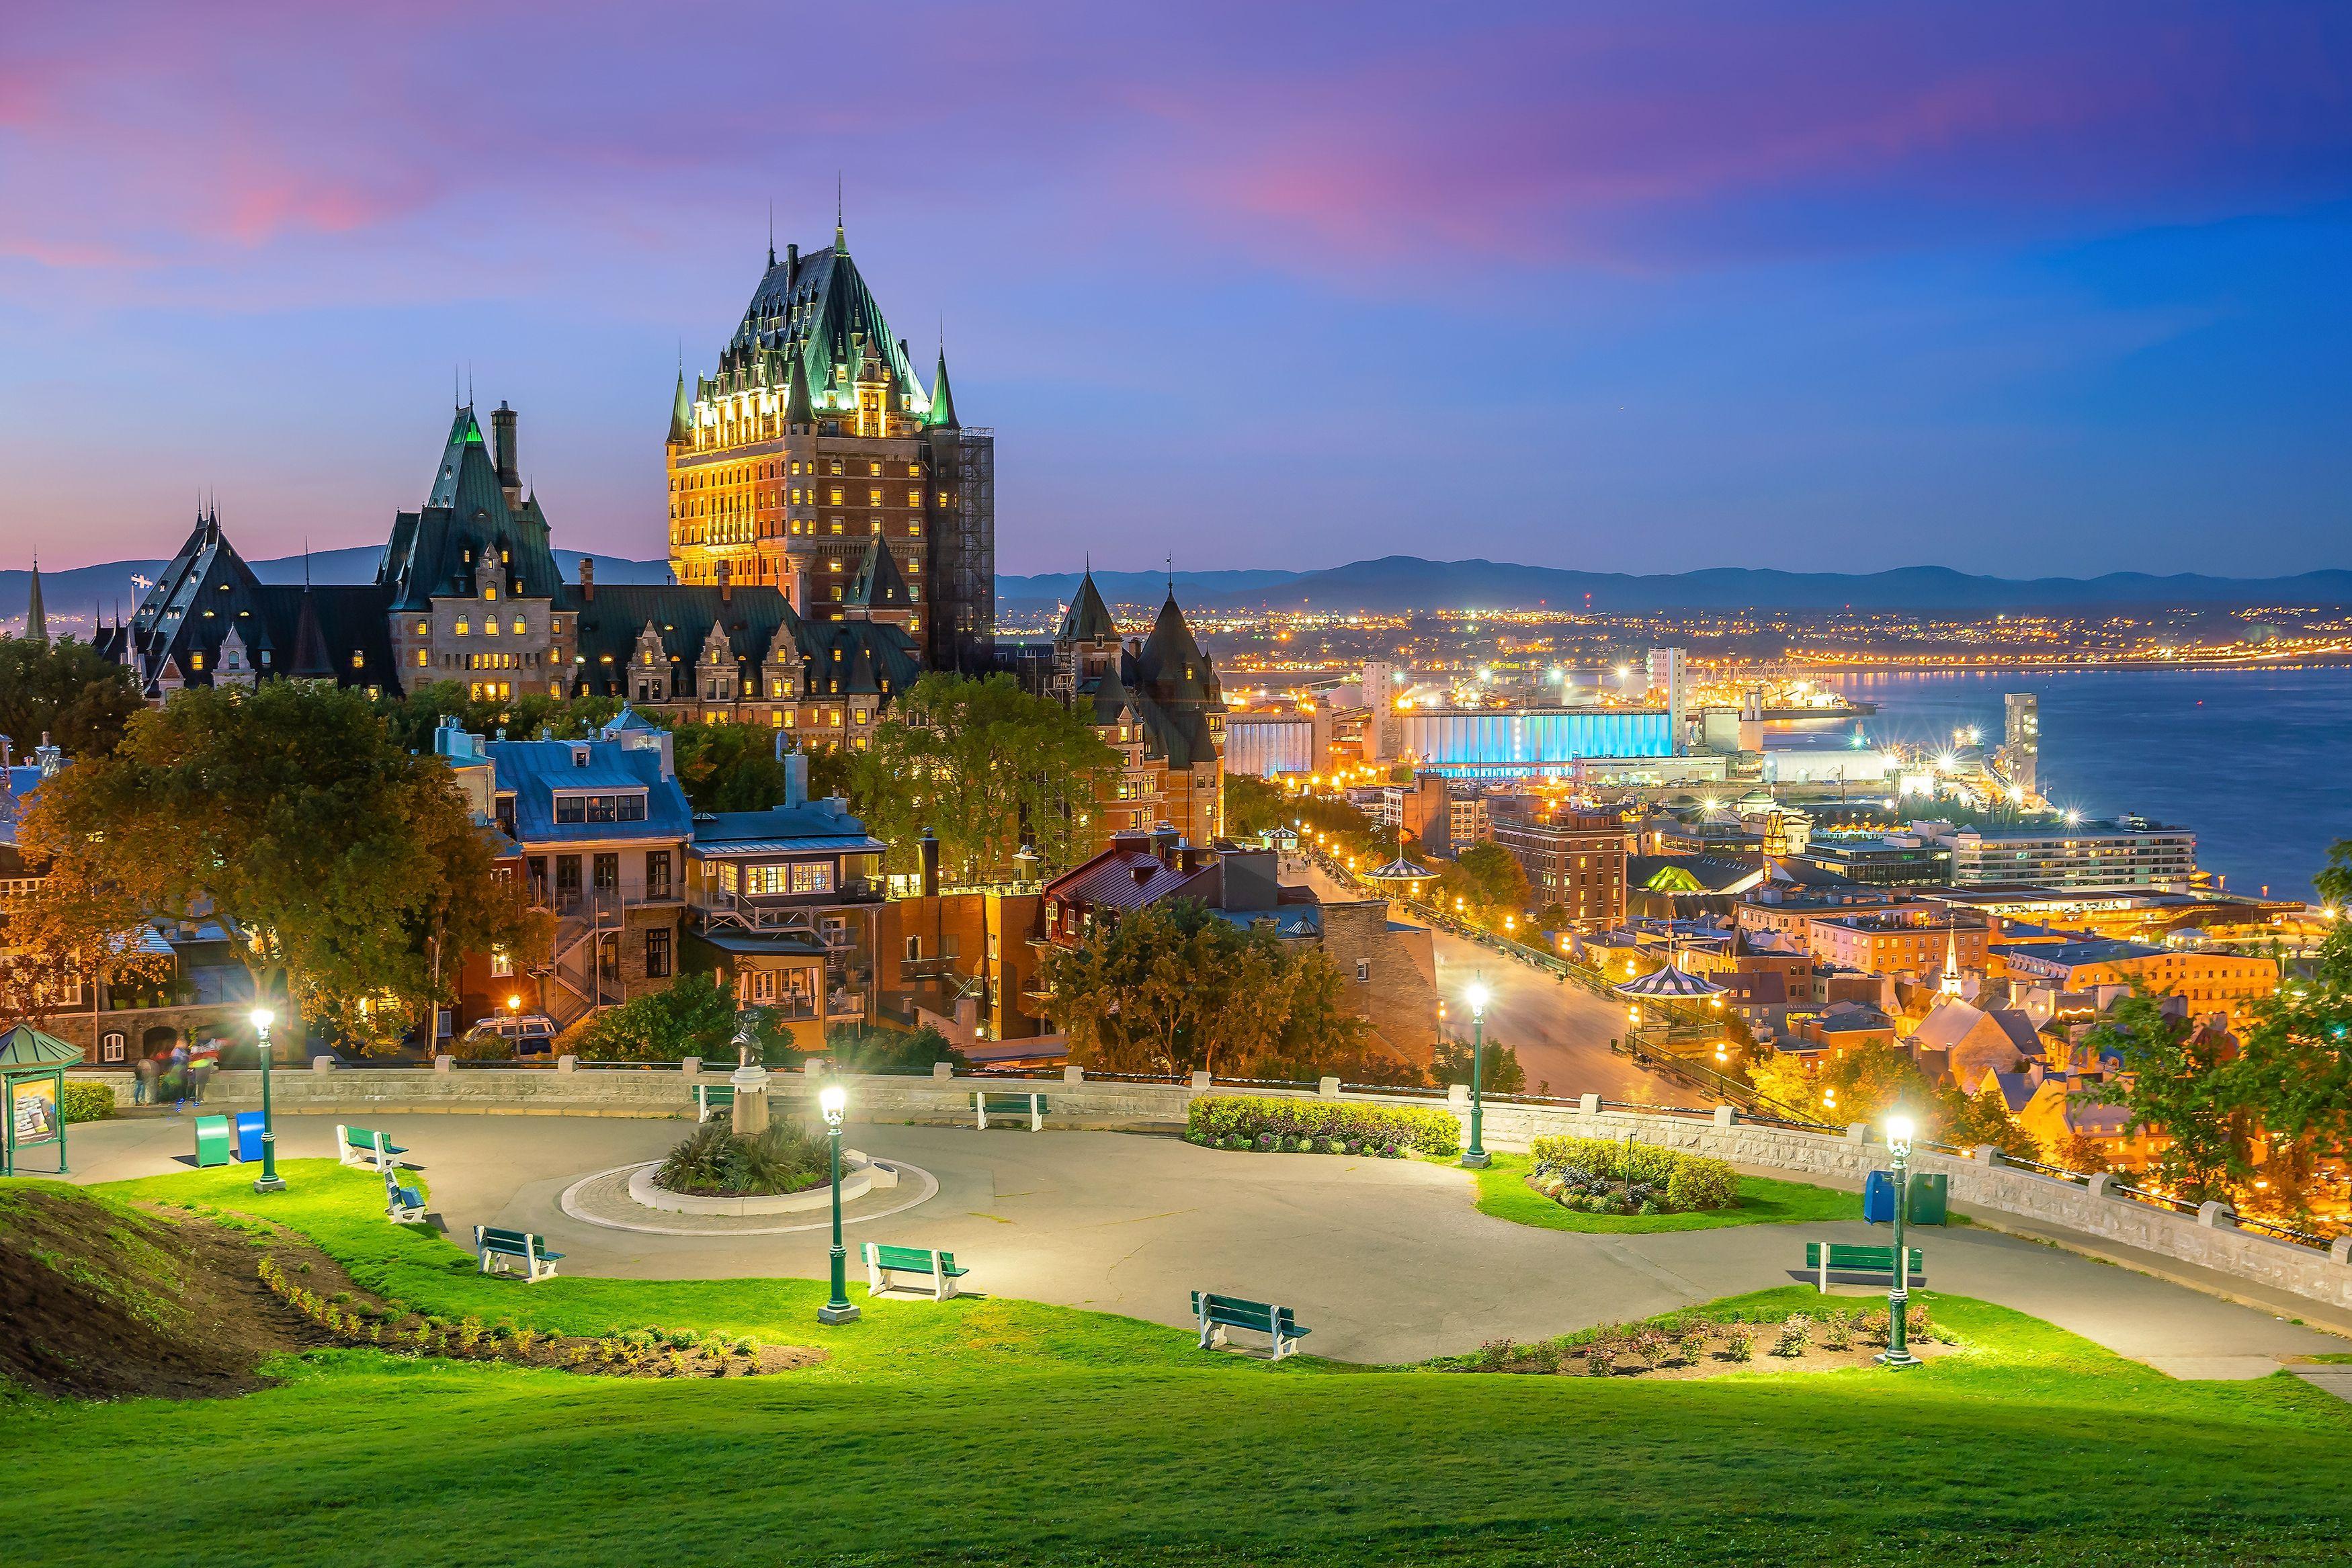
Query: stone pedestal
(750, 1112)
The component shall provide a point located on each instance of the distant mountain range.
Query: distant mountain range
(1393, 583)
(69, 596)
(1402, 582)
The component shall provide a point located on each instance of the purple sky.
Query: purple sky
(2018, 288)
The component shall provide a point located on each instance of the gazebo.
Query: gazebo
(33, 1093)
(1670, 984)
(1407, 876)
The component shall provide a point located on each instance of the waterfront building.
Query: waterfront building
(2020, 749)
(1883, 859)
(2128, 855)
(2208, 981)
(812, 438)
(1670, 686)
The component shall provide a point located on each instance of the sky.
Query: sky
(2018, 288)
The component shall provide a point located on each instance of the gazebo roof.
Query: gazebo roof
(1399, 870)
(1669, 983)
(26, 1046)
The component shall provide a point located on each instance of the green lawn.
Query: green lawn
(1002, 1430)
(1504, 1192)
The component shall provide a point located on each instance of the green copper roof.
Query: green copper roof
(879, 585)
(813, 311)
(942, 397)
(681, 414)
(25, 1046)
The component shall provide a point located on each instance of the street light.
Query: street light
(269, 1180)
(1898, 1145)
(1475, 1156)
(837, 1309)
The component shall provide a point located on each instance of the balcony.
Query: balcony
(783, 910)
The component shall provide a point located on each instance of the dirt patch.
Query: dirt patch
(1693, 1348)
(100, 1302)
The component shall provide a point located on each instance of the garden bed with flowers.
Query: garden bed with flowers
(1264, 1123)
(1604, 1175)
(1696, 1344)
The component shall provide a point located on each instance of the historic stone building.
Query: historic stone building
(1157, 702)
(815, 438)
(468, 590)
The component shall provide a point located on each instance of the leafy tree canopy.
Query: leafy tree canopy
(694, 1015)
(987, 767)
(412, 718)
(67, 691)
(347, 871)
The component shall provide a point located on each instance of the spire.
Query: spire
(1951, 985)
(681, 411)
(37, 620)
(840, 235)
(877, 585)
(798, 409)
(942, 395)
(772, 236)
(1088, 620)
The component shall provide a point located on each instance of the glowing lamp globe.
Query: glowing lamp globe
(263, 1018)
(1477, 996)
(834, 1100)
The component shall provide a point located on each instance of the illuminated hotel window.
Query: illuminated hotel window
(424, 628)
(490, 590)
(518, 626)
(358, 661)
(914, 497)
(878, 470)
(874, 497)
(464, 626)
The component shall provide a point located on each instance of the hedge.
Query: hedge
(1691, 1181)
(87, 1101)
(1215, 1118)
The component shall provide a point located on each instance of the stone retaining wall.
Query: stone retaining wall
(2210, 1238)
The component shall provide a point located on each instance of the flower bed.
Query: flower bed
(713, 1162)
(1268, 1125)
(1691, 1346)
(1603, 1175)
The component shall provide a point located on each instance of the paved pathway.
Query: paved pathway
(1387, 1261)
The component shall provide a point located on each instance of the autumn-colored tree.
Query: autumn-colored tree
(1862, 1084)
(68, 933)
(345, 869)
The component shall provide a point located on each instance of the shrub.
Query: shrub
(1917, 1324)
(1692, 1346)
(711, 1159)
(1795, 1332)
(1739, 1342)
(1837, 1331)
(86, 1102)
(1650, 1347)
(1288, 1123)
(1678, 1182)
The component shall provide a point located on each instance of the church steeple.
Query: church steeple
(37, 619)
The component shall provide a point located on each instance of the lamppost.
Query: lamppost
(269, 1180)
(838, 1309)
(1475, 1156)
(1898, 1145)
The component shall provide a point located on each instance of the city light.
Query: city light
(834, 1100)
(1477, 996)
(263, 1018)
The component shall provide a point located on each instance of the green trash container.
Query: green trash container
(212, 1140)
(1930, 1197)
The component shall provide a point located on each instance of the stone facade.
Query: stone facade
(1388, 971)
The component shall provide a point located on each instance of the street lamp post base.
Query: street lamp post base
(847, 1314)
(1475, 1159)
(269, 1184)
(1889, 1358)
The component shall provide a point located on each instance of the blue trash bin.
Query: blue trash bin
(1878, 1199)
(249, 1136)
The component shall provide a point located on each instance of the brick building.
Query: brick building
(1157, 702)
(1574, 860)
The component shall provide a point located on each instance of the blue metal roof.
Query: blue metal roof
(537, 771)
(851, 844)
(750, 832)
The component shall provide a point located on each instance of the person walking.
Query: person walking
(143, 1089)
(200, 1072)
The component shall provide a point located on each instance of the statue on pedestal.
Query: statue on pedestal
(750, 1077)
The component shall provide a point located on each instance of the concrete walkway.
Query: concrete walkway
(1387, 1261)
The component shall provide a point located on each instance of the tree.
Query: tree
(987, 767)
(412, 718)
(346, 871)
(1861, 1084)
(727, 767)
(2295, 1069)
(1253, 805)
(1500, 1073)
(1972, 1120)
(63, 933)
(1497, 879)
(2174, 1081)
(65, 690)
(890, 1051)
(2076, 1153)
(1171, 987)
(694, 1015)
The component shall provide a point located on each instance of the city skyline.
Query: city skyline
(1864, 290)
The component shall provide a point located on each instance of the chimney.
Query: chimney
(502, 445)
(587, 580)
(47, 757)
(792, 262)
(726, 582)
(1164, 842)
(930, 848)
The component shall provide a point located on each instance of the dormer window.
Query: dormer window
(571, 810)
(579, 757)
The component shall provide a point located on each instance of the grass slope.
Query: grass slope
(999, 1429)
(1504, 1192)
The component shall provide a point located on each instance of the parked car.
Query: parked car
(526, 1034)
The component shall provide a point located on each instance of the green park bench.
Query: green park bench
(881, 1262)
(1822, 1260)
(402, 1205)
(1031, 1107)
(496, 1247)
(710, 1097)
(1216, 1313)
(360, 1147)
(212, 1140)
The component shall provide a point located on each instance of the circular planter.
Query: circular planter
(859, 1175)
